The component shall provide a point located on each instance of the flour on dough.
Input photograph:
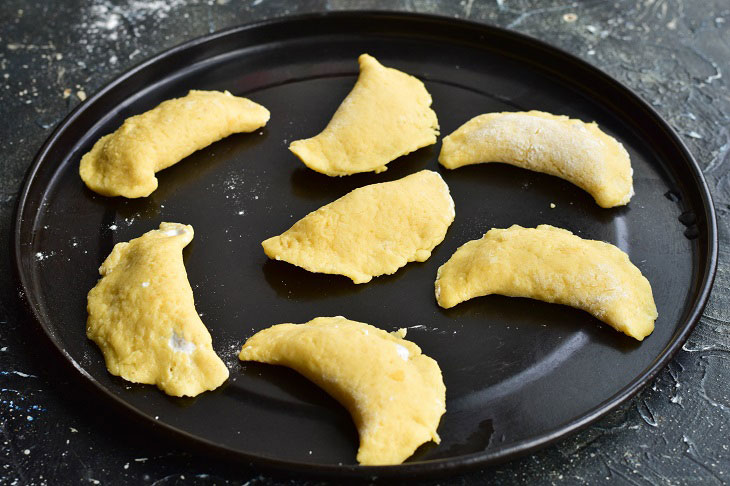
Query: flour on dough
(553, 265)
(387, 114)
(373, 230)
(395, 394)
(124, 163)
(557, 145)
(142, 316)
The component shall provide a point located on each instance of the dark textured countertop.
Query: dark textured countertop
(674, 53)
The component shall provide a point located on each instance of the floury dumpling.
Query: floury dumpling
(553, 265)
(395, 394)
(557, 145)
(373, 230)
(143, 318)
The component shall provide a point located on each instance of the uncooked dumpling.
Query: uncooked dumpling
(124, 163)
(557, 145)
(142, 316)
(373, 230)
(387, 114)
(395, 394)
(553, 265)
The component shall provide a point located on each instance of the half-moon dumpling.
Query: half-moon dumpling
(553, 265)
(124, 163)
(387, 114)
(371, 231)
(395, 394)
(142, 316)
(557, 145)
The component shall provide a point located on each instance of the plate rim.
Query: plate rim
(416, 469)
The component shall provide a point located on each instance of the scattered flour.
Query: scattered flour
(111, 19)
(40, 256)
(402, 352)
(108, 15)
(175, 232)
(237, 189)
(179, 343)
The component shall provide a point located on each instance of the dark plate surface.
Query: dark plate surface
(519, 373)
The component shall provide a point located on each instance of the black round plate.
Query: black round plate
(518, 373)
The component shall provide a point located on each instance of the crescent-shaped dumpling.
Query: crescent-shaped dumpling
(395, 394)
(553, 265)
(124, 163)
(373, 230)
(387, 114)
(142, 316)
(557, 145)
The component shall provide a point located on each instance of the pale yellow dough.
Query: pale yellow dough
(553, 265)
(142, 316)
(124, 163)
(557, 145)
(371, 231)
(395, 394)
(387, 114)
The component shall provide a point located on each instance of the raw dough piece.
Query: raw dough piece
(557, 145)
(124, 163)
(395, 394)
(553, 265)
(386, 115)
(142, 316)
(371, 231)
